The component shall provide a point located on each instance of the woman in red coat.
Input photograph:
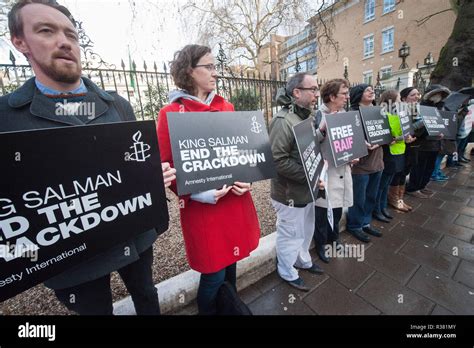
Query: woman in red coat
(220, 227)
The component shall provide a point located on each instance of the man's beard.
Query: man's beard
(63, 74)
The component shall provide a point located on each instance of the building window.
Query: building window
(385, 72)
(310, 49)
(291, 57)
(369, 46)
(367, 77)
(307, 50)
(312, 63)
(297, 38)
(388, 6)
(387, 40)
(369, 10)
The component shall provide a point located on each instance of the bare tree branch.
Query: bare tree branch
(242, 26)
(423, 20)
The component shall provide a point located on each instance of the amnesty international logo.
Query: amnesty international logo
(139, 148)
(256, 127)
(357, 120)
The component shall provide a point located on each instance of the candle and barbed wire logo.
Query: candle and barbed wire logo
(139, 148)
(357, 120)
(256, 127)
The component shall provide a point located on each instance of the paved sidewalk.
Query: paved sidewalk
(423, 264)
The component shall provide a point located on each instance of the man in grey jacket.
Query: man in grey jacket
(290, 192)
(45, 33)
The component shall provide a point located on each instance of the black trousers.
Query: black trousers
(95, 297)
(323, 234)
(421, 171)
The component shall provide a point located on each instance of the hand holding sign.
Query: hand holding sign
(222, 192)
(239, 188)
(371, 147)
(168, 174)
(409, 139)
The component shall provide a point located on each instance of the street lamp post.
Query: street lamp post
(297, 64)
(379, 88)
(403, 53)
(425, 70)
(429, 60)
(346, 73)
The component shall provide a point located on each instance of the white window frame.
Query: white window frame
(366, 73)
(388, 6)
(369, 5)
(387, 30)
(387, 67)
(371, 54)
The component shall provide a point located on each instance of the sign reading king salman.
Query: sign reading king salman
(376, 125)
(68, 194)
(433, 121)
(211, 149)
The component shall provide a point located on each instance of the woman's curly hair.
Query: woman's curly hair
(183, 61)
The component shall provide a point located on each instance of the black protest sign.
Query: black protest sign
(376, 125)
(211, 149)
(345, 134)
(433, 121)
(68, 194)
(406, 123)
(310, 153)
(451, 122)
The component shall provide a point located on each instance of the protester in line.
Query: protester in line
(462, 137)
(46, 34)
(220, 227)
(429, 147)
(393, 154)
(455, 102)
(290, 193)
(335, 94)
(410, 97)
(365, 176)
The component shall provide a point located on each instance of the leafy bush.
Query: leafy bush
(245, 100)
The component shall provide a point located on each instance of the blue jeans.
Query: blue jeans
(437, 167)
(209, 286)
(381, 199)
(365, 188)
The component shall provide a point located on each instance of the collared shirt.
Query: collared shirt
(46, 90)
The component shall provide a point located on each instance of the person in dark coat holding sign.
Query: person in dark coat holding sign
(290, 192)
(45, 33)
(220, 227)
(365, 176)
(428, 147)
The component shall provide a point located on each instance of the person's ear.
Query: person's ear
(296, 93)
(20, 44)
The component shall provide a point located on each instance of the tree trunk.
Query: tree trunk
(455, 68)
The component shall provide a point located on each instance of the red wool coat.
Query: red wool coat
(215, 235)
